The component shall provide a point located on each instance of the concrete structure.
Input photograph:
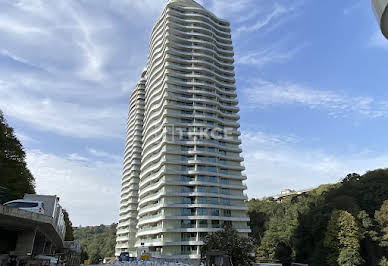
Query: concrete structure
(381, 11)
(52, 208)
(126, 229)
(72, 253)
(182, 175)
(27, 233)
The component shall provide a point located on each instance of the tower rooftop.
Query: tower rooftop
(186, 3)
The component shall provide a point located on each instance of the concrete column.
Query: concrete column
(47, 248)
(39, 244)
(25, 242)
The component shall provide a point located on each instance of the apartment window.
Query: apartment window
(224, 171)
(201, 168)
(201, 158)
(215, 224)
(213, 200)
(184, 168)
(214, 212)
(225, 181)
(187, 223)
(226, 202)
(213, 179)
(211, 149)
(201, 148)
(212, 159)
(201, 189)
(212, 169)
(188, 249)
(185, 200)
(228, 223)
(186, 112)
(227, 213)
(185, 189)
(185, 212)
(203, 224)
(202, 178)
(187, 236)
(185, 178)
(187, 121)
(201, 200)
(202, 211)
(185, 138)
(213, 190)
(185, 148)
(225, 191)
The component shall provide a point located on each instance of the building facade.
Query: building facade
(126, 228)
(182, 176)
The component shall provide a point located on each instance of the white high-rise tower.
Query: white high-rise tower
(182, 168)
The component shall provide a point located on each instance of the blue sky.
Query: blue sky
(311, 81)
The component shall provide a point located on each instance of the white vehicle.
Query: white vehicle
(27, 205)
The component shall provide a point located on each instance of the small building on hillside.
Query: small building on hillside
(288, 193)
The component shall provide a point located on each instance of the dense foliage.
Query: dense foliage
(97, 241)
(229, 241)
(15, 176)
(69, 227)
(339, 224)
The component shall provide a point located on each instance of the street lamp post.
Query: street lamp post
(381, 11)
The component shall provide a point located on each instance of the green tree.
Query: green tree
(368, 226)
(69, 227)
(342, 235)
(14, 173)
(350, 257)
(383, 262)
(283, 253)
(97, 241)
(301, 221)
(381, 217)
(229, 241)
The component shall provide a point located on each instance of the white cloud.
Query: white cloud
(77, 157)
(228, 8)
(25, 138)
(105, 155)
(89, 190)
(265, 56)
(263, 93)
(280, 164)
(69, 61)
(61, 117)
(278, 10)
